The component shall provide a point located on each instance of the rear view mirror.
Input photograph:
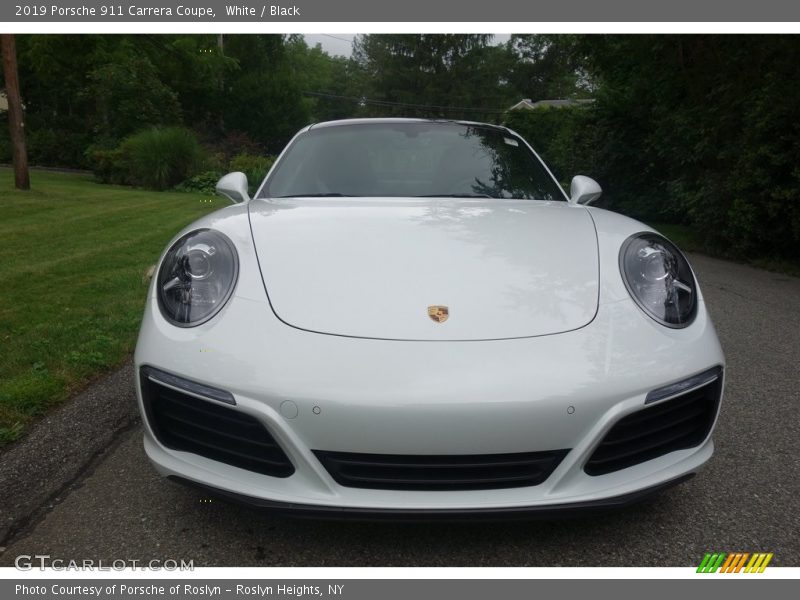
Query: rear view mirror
(584, 190)
(234, 187)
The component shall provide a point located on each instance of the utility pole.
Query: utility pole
(15, 119)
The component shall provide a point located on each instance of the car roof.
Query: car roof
(391, 120)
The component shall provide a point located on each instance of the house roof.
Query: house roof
(528, 104)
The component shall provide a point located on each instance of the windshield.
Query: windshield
(416, 159)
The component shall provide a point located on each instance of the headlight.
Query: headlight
(196, 277)
(659, 279)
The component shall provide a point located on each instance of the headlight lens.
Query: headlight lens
(659, 279)
(196, 277)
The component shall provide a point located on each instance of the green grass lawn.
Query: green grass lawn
(71, 282)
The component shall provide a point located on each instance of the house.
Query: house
(528, 104)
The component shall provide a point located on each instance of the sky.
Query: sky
(341, 43)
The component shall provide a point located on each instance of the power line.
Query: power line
(389, 103)
(350, 41)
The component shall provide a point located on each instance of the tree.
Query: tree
(328, 83)
(15, 117)
(548, 67)
(263, 99)
(703, 129)
(119, 88)
(197, 69)
(129, 96)
(451, 75)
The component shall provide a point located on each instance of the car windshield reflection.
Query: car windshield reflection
(415, 159)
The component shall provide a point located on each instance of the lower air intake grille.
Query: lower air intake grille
(183, 422)
(676, 424)
(440, 473)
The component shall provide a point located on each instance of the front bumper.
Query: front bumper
(331, 393)
(572, 509)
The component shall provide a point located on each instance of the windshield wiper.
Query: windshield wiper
(325, 195)
(455, 196)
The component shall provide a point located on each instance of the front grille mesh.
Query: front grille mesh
(440, 473)
(676, 424)
(183, 422)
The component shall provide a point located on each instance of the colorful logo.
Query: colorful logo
(734, 562)
(438, 313)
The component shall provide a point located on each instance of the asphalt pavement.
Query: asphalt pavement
(746, 499)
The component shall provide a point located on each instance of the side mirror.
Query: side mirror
(234, 187)
(584, 190)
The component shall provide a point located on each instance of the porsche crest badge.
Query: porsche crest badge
(438, 313)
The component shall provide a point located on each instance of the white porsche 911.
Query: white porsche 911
(411, 318)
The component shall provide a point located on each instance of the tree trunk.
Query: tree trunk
(15, 117)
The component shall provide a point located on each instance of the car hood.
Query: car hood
(371, 268)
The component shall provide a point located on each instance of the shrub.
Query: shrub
(49, 147)
(204, 183)
(107, 164)
(254, 166)
(5, 143)
(160, 158)
(232, 143)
